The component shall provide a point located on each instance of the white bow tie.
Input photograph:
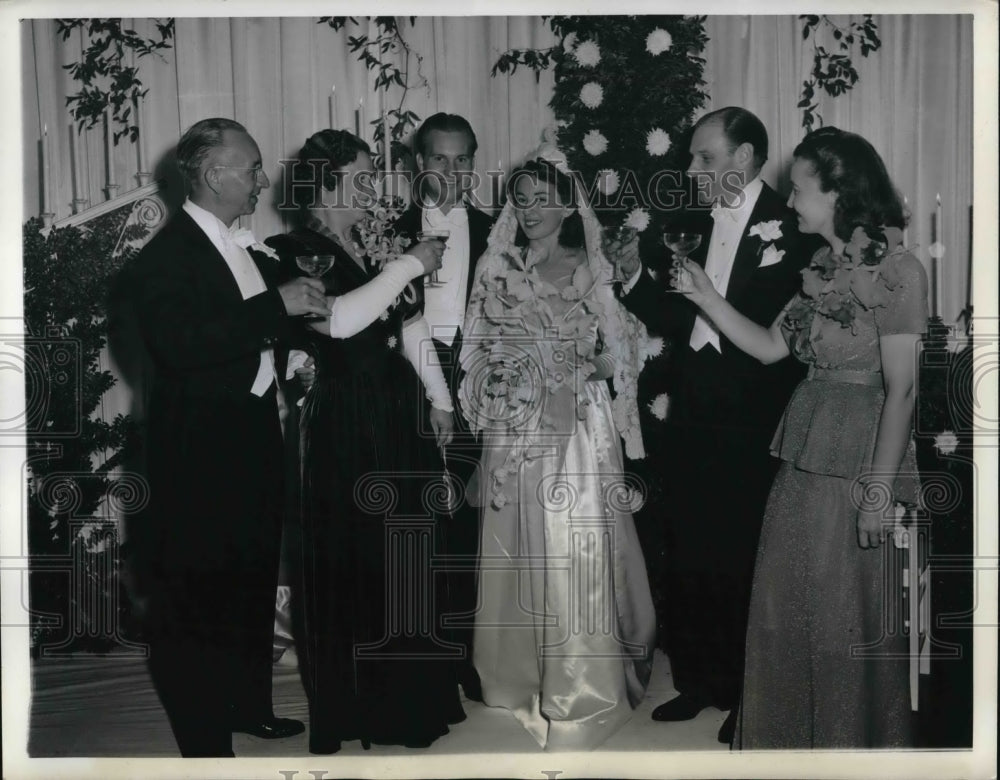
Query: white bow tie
(720, 211)
(245, 238)
(454, 218)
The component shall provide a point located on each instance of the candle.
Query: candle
(906, 222)
(333, 107)
(109, 147)
(497, 185)
(142, 136)
(939, 253)
(357, 117)
(74, 158)
(46, 157)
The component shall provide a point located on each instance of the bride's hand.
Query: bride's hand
(690, 279)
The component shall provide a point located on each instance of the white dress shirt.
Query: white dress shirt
(730, 223)
(444, 306)
(246, 274)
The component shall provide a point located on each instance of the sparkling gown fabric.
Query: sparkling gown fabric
(826, 660)
(565, 630)
(375, 665)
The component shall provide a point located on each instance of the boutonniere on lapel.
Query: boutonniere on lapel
(768, 232)
(245, 238)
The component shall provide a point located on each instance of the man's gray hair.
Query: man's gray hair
(198, 141)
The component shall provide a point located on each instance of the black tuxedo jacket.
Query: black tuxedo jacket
(732, 388)
(206, 433)
(412, 222)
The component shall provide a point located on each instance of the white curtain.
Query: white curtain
(913, 101)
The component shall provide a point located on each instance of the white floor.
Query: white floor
(107, 707)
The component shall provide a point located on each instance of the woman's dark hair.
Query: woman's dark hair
(847, 164)
(571, 234)
(320, 165)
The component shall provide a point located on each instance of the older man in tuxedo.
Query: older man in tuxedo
(724, 408)
(445, 149)
(212, 319)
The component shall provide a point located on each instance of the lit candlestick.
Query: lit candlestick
(333, 107)
(142, 135)
(939, 254)
(46, 157)
(109, 145)
(498, 185)
(906, 222)
(74, 159)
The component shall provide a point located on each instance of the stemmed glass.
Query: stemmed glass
(681, 244)
(315, 266)
(433, 235)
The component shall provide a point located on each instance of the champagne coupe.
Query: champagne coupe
(315, 266)
(621, 238)
(681, 244)
(433, 235)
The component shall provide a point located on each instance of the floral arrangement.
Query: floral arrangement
(834, 286)
(380, 242)
(522, 381)
(626, 88)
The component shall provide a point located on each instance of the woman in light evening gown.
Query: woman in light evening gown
(565, 630)
(822, 670)
(366, 471)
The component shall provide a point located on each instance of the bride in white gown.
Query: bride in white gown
(565, 629)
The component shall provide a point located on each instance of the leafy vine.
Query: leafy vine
(370, 51)
(833, 71)
(107, 79)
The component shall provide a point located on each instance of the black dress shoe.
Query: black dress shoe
(468, 678)
(682, 707)
(270, 728)
(728, 729)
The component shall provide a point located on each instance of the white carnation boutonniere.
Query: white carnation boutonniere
(768, 231)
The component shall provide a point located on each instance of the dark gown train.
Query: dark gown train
(374, 664)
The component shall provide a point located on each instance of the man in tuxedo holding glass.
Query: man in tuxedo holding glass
(445, 149)
(724, 407)
(212, 318)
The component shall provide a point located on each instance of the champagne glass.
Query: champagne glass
(315, 266)
(681, 244)
(623, 236)
(433, 235)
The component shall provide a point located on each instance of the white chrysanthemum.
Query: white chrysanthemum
(657, 142)
(659, 406)
(946, 442)
(592, 95)
(588, 54)
(650, 347)
(608, 181)
(391, 342)
(638, 219)
(569, 42)
(658, 41)
(595, 143)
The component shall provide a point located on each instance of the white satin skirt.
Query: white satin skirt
(565, 629)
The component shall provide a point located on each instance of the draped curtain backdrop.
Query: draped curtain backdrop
(913, 101)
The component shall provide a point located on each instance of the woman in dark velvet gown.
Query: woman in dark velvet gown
(823, 669)
(373, 664)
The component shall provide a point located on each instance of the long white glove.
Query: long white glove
(419, 350)
(354, 311)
